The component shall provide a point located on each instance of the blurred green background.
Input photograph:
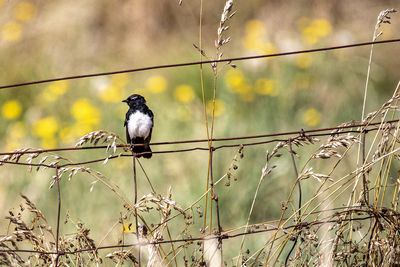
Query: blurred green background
(41, 39)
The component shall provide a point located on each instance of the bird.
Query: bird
(139, 121)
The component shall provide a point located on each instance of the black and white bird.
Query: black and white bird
(139, 125)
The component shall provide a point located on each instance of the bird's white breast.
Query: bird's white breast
(139, 125)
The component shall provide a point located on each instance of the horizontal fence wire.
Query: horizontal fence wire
(222, 236)
(299, 134)
(312, 132)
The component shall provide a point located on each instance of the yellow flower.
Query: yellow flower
(315, 30)
(85, 113)
(48, 142)
(25, 11)
(45, 127)
(11, 109)
(219, 107)
(267, 48)
(128, 227)
(267, 87)
(322, 27)
(254, 38)
(303, 61)
(184, 113)
(310, 36)
(311, 117)
(156, 84)
(12, 31)
(255, 30)
(184, 93)
(255, 27)
(58, 88)
(112, 93)
(237, 83)
(54, 90)
(234, 78)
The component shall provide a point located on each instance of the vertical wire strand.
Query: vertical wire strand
(215, 198)
(299, 185)
(136, 216)
(365, 184)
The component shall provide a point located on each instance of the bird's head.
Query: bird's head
(134, 100)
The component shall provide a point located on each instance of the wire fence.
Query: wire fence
(281, 229)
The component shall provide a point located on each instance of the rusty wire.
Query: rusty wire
(311, 132)
(300, 134)
(298, 226)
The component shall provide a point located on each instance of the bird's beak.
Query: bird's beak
(126, 101)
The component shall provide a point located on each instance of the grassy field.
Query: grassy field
(257, 186)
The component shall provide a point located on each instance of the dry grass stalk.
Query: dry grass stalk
(329, 149)
(383, 17)
(233, 168)
(221, 40)
(225, 16)
(40, 237)
(105, 137)
(308, 173)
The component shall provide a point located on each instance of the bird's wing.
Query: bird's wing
(148, 138)
(151, 115)
(126, 119)
(128, 139)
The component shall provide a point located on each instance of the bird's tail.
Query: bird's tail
(142, 149)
